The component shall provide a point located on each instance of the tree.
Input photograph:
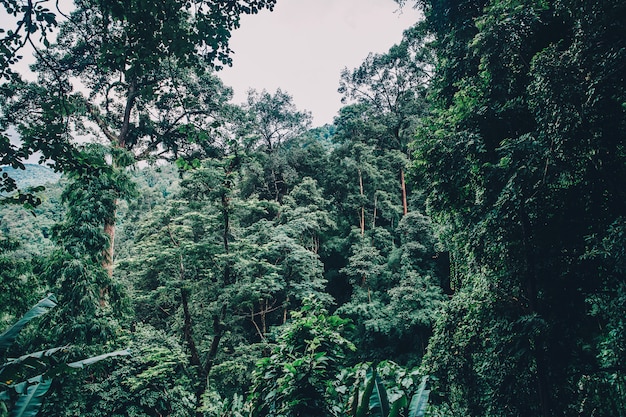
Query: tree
(393, 86)
(396, 291)
(218, 270)
(309, 351)
(273, 120)
(268, 134)
(30, 17)
(147, 92)
(520, 157)
(92, 300)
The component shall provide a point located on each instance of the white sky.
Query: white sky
(302, 46)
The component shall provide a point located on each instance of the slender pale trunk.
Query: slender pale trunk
(109, 230)
(405, 207)
(375, 209)
(362, 193)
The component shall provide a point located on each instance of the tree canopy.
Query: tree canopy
(452, 244)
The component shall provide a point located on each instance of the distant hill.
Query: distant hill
(33, 176)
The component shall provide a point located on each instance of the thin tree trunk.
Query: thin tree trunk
(276, 189)
(109, 230)
(375, 207)
(194, 359)
(405, 207)
(263, 318)
(218, 331)
(362, 193)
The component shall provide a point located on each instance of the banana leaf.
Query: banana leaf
(379, 401)
(10, 369)
(94, 359)
(29, 403)
(42, 307)
(417, 408)
(370, 379)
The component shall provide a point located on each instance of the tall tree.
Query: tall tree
(135, 75)
(218, 270)
(271, 127)
(22, 20)
(393, 85)
(521, 159)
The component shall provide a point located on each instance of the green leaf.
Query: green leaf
(85, 362)
(13, 366)
(397, 406)
(36, 355)
(28, 404)
(369, 388)
(42, 307)
(417, 408)
(379, 401)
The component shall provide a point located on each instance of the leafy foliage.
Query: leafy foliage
(382, 389)
(520, 169)
(42, 307)
(294, 380)
(30, 392)
(464, 212)
(153, 380)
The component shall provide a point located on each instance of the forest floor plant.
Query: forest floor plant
(24, 381)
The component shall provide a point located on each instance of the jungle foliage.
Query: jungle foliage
(453, 244)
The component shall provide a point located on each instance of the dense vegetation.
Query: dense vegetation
(459, 229)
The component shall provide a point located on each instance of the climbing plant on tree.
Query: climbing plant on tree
(520, 159)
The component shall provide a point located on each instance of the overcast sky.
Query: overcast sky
(302, 46)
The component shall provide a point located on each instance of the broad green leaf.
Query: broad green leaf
(13, 367)
(369, 388)
(419, 402)
(36, 355)
(379, 401)
(28, 404)
(42, 307)
(397, 406)
(82, 363)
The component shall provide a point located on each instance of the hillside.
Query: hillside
(33, 176)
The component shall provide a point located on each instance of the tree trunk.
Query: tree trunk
(194, 358)
(375, 207)
(218, 332)
(362, 220)
(109, 230)
(405, 207)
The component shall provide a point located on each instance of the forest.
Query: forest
(453, 244)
